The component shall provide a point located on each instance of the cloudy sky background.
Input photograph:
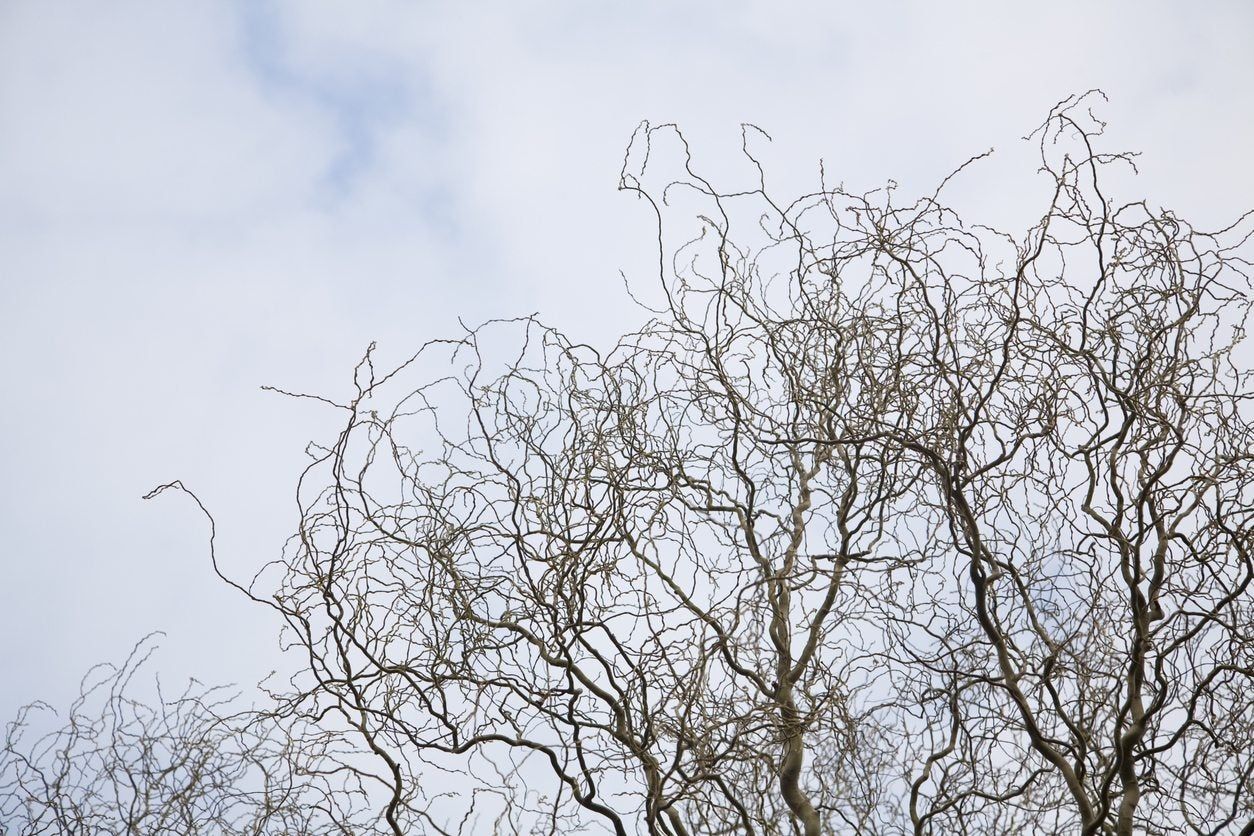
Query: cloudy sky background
(198, 199)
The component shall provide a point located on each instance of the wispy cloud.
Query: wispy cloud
(197, 199)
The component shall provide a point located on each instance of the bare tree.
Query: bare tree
(882, 523)
(129, 759)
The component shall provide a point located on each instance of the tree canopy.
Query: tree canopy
(883, 522)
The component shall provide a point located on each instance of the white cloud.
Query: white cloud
(144, 113)
(197, 199)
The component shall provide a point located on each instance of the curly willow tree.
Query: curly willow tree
(883, 523)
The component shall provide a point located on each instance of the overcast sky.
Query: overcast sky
(198, 199)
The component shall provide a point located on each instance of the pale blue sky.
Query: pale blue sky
(199, 198)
